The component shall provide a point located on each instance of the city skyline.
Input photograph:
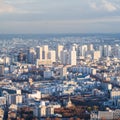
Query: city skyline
(73, 76)
(59, 59)
(51, 16)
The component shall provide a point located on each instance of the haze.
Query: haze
(59, 16)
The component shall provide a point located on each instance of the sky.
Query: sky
(59, 16)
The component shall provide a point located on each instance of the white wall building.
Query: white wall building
(42, 109)
(83, 50)
(64, 57)
(45, 52)
(52, 55)
(58, 53)
(35, 95)
(72, 58)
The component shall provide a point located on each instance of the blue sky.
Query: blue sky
(59, 16)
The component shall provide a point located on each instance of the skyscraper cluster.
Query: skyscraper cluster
(43, 55)
(68, 56)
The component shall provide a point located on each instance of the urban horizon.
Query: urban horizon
(59, 60)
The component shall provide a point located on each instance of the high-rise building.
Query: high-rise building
(116, 51)
(42, 55)
(52, 55)
(58, 53)
(39, 52)
(31, 56)
(90, 47)
(64, 57)
(21, 57)
(96, 55)
(72, 57)
(107, 50)
(101, 51)
(73, 47)
(45, 52)
(83, 50)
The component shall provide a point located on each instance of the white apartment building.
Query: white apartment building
(58, 51)
(72, 57)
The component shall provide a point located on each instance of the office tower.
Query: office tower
(64, 57)
(72, 57)
(39, 52)
(31, 56)
(52, 55)
(58, 53)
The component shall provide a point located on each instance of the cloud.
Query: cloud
(104, 5)
(52, 15)
(109, 6)
(6, 8)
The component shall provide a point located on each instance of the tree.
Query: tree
(95, 108)
(89, 109)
